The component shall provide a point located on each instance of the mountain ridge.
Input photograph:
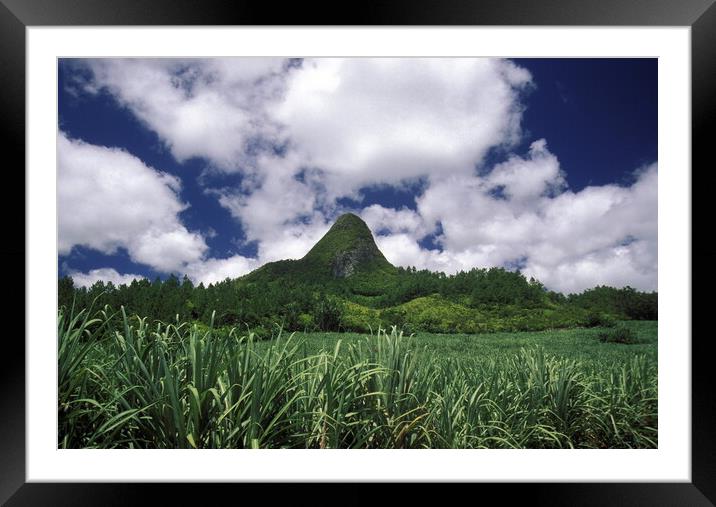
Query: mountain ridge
(348, 247)
(347, 253)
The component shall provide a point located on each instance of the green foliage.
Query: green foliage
(432, 313)
(306, 322)
(345, 283)
(625, 303)
(618, 334)
(348, 234)
(498, 286)
(128, 384)
(358, 318)
(328, 313)
(298, 306)
(596, 319)
(437, 314)
(348, 242)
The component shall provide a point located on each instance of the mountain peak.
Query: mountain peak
(346, 255)
(349, 219)
(347, 248)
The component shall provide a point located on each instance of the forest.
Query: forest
(477, 300)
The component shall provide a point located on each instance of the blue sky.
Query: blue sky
(211, 168)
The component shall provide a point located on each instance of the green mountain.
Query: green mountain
(345, 283)
(347, 249)
(345, 256)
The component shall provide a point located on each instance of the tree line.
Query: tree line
(297, 304)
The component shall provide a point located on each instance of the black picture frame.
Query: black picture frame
(16, 15)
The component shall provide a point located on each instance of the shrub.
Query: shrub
(596, 319)
(359, 318)
(228, 318)
(305, 321)
(328, 313)
(618, 334)
(395, 316)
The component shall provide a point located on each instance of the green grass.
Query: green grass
(129, 383)
(576, 343)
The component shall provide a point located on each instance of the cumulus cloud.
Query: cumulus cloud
(216, 270)
(600, 235)
(361, 120)
(109, 199)
(388, 221)
(104, 274)
(349, 123)
(210, 108)
(383, 120)
(570, 241)
(522, 180)
(303, 136)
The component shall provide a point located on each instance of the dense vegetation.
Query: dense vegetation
(480, 300)
(128, 382)
(168, 364)
(344, 283)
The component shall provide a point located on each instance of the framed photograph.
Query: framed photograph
(432, 244)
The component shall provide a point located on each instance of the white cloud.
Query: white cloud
(600, 236)
(285, 215)
(381, 120)
(199, 108)
(109, 199)
(293, 241)
(104, 274)
(218, 270)
(360, 121)
(344, 124)
(524, 180)
(391, 221)
(355, 122)
(403, 250)
(569, 241)
(167, 250)
(617, 266)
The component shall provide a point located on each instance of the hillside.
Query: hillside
(345, 256)
(345, 283)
